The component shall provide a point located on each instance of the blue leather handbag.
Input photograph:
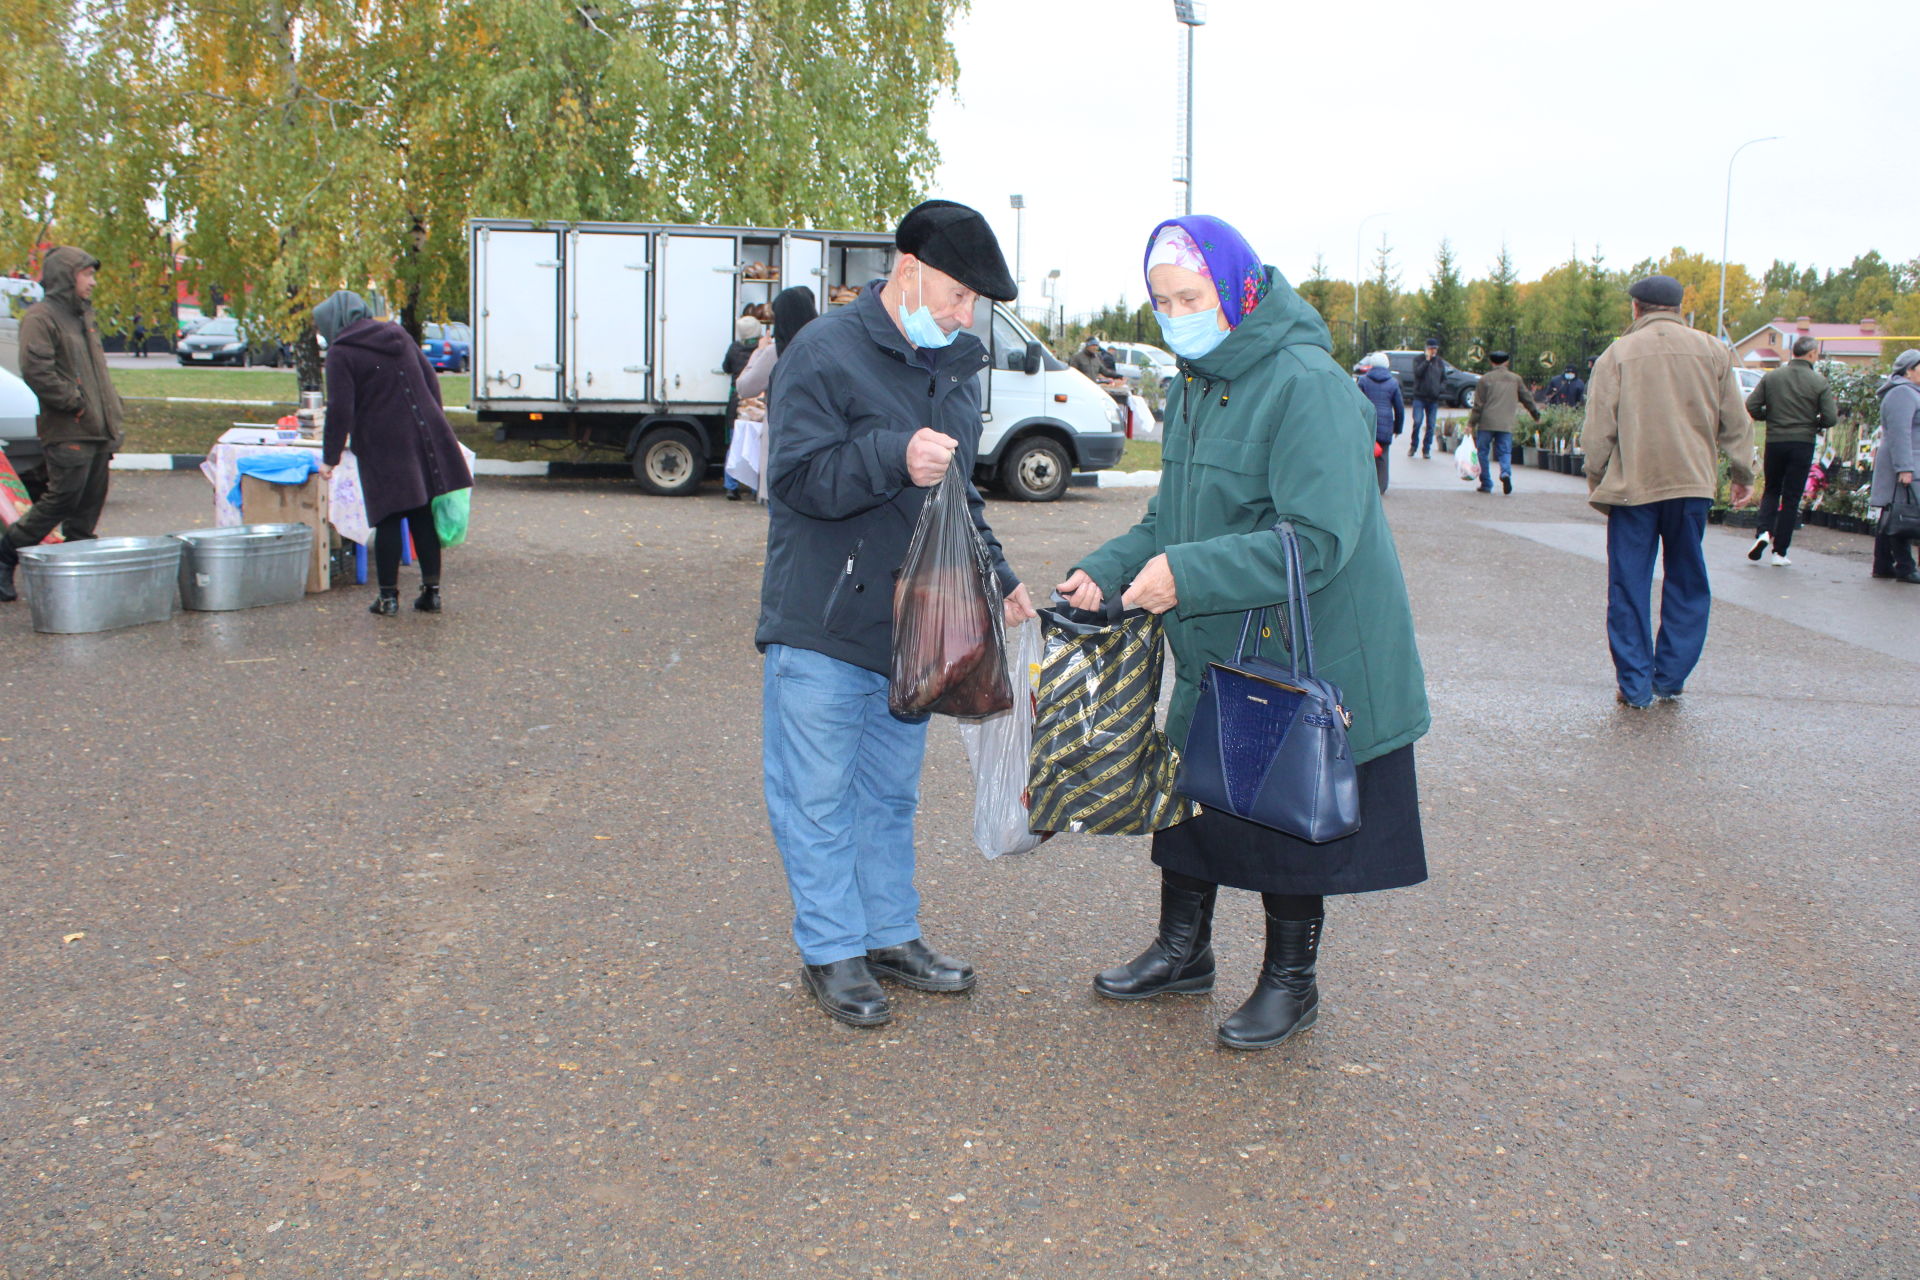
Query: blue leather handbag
(1268, 742)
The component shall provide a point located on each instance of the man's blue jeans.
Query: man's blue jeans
(1675, 527)
(1429, 410)
(1490, 444)
(842, 782)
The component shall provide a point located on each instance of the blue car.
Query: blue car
(449, 347)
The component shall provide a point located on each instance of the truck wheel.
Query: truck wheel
(669, 461)
(1035, 470)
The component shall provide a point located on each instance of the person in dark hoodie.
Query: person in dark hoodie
(62, 360)
(383, 401)
(870, 405)
(1379, 385)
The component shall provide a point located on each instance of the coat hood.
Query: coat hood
(381, 336)
(1894, 381)
(1283, 319)
(58, 270)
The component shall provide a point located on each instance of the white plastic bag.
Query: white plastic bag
(1467, 458)
(998, 747)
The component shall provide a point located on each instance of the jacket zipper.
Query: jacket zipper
(846, 573)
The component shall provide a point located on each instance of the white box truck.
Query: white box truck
(611, 335)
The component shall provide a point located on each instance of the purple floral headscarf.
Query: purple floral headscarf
(1225, 258)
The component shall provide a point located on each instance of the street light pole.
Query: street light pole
(1356, 270)
(1726, 222)
(1019, 236)
(1191, 14)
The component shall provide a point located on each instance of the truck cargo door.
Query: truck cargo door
(607, 276)
(693, 317)
(516, 334)
(803, 263)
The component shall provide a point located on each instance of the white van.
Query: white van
(611, 334)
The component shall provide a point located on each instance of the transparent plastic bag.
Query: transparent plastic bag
(998, 747)
(1467, 458)
(949, 641)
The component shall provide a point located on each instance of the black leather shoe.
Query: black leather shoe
(1286, 1000)
(847, 991)
(428, 601)
(385, 605)
(1179, 960)
(919, 966)
(9, 561)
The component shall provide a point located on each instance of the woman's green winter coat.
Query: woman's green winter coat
(1267, 427)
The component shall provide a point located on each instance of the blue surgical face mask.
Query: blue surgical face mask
(921, 328)
(1194, 334)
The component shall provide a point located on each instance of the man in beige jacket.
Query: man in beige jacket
(1662, 400)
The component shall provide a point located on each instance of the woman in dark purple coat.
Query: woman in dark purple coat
(383, 399)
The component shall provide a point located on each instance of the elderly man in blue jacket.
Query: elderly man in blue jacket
(871, 401)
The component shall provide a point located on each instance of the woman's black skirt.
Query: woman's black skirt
(1387, 852)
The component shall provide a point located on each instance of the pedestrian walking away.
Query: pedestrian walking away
(139, 337)
(1379, 385)
(1429, 386)
(383, 402)
(1894, 463)
(870, 405)
(1264, 427)
(1496, 403)
(1662, 399)
(1797, 405)
(63, 363)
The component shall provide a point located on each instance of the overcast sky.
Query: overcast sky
(1482, 121)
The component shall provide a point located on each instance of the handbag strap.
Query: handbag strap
(1298, 619)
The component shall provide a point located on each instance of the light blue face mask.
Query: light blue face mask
(1194, 334)
(921, 328)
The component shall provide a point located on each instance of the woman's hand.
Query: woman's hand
(326, 471)
(1082, 592)
(1153, 589)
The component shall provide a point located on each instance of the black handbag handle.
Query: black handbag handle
(1298, 617)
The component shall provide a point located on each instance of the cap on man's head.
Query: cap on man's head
(1658, 291)
(1906, 360)
(955, 239)
(1571, 369)
(1433, 344)
(1498, 357)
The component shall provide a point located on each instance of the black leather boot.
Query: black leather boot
(9, 561)
(1286, 1000)
(1180, 957)
(387, 604)
(428, 601)
(847, 991)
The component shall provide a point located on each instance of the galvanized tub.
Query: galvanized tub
(244, 566)
(101, 583)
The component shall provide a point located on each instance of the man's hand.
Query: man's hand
(1741, 495)
(1082, 592)
(927, 454)
(1905, 477)
(1019, 606)
(1153, 589)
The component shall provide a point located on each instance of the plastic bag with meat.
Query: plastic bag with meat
(949, 634)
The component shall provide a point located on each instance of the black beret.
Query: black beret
(1658, 291)
(955, 239)
(1498, 357)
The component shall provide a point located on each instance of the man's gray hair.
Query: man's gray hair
(1805, 345)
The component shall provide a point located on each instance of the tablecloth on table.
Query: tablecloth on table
(346, 504)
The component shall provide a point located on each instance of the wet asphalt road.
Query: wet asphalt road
(455, 947)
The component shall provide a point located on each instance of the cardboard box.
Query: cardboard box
(264, 502)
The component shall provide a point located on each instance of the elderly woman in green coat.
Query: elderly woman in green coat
(1263, 426)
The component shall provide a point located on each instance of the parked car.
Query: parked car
(1138, 362)
(219, 341)
(1460, 383)
(1749, 379)
(449, 347)
(19, 409)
